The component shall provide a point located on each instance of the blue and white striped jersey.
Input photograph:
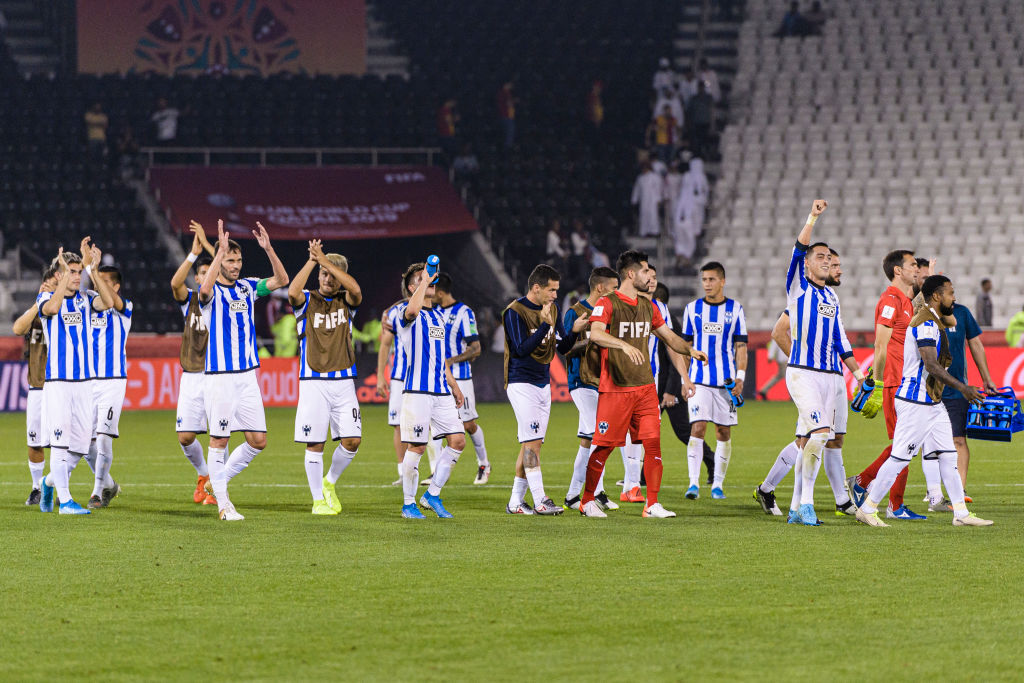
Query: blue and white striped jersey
(398, 360)
(460, 331)
(714, 329)
(913, 388)
(69, 351)
(231, 323)
(109, 332)
(813, 313)
(423, 340)
(306, 372)
(653, 341)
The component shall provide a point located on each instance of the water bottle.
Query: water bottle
(736, 400)
(433, 263)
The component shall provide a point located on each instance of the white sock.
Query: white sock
(882, 482)
(518, 492)
(694, 459)
(951, 480)
(723, 451)
(812, 463)
(36, 470)
(341, 459)
(600, 482)
(60, 473)
(90, 457)
(104, 458)
(579, 472)
(536, 483)
(933, 478)
(400, 469)
(477, 438)
(434, 449)
(832, 461)
(634, 464)
(410, 476)
(315, 473)
(798, 479)
(445, 463)
(239, 460)
(217, 459)
(194, 453)
(783, 464)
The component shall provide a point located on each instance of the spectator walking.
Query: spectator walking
(689, 219)
(507, 102)
(664, 77)
(647, 194)
(165, 118)
(669, 98)
(673, 186)
(661, 135)
(699, 117)
(687, 85)
(708, 76)
(96, 124)
(983, 305)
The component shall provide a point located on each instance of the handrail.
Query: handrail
(264, 156)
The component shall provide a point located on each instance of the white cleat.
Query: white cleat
(228, 513)
(869, 519)
(483, 475)
(397, 482)
(592, 509)
(656, 510)
(971, 520)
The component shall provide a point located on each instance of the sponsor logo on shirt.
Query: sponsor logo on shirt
(436, 332)
(331, 320)
(713, 328)
(634, 329)
(827, 310)
(239, 306)
(99, 320)
(71, 318)
(597, 312)
(888, 311)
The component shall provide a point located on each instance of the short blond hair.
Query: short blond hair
(338, 260)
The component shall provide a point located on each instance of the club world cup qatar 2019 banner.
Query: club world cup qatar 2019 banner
(238, 37)
(314, 203)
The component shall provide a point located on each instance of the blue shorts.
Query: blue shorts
(957, 409)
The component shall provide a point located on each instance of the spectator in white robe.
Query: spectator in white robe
(673, 185)
(647, 195)
(690, 208)
(664, 77)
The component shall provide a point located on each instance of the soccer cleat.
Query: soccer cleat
(322, 507)
(693, 493)
(657, 511)
(634, 495)
(967, 499)
(794, 517)
(110, 493)
(857, 493)
(547, 507)
(397, 482)
(717, 493)
(571, 503)
(435, 504)
(806, 515)
(228, 513)
(620, 483)
(73, 508)
(331, 497)
(34, 497)
(46, 496)
(941, 505)
(903, 512)
(605, 502)
(847, 508)
(592, 509)
(971, 520)
(521, 509)
(483, 475)
(95, 503)
(871, 519)
(411, 511)
(199, 495)
(425, 482)
(766, 499)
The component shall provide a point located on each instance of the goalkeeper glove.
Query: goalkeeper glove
(863, 394)
(873, 404)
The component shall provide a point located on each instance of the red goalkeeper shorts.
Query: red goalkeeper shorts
(634, 410)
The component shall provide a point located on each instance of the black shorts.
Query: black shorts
(957, 409)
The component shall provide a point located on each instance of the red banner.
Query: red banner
(1005, 364)
(308, 203)
(240, 37)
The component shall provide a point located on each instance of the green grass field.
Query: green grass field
(156, 587)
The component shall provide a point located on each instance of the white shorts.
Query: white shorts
(233, 403)
(842, 407)
(108, 401)
(920, 428)
(68, 415)
(426, 415)
(712, 404)
(468, 410)
(37, 435)
(532, 406)
(395, 402)
(814, 394)
(586, 404)
(191, 415)
(324, 402)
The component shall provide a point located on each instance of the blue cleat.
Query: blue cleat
(794, 517)
(410, 511)
(435, 504)
(73, 508)
(903, 512)
(693, 492)
(857, 492)
(717, 493)
(46, 499)
(806, 515)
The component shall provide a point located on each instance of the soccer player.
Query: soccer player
(393, 388)
(893, 313)
(108, 333)
(463, 348)
(231, 394)
(327, 371)
(533, 332)
(715, 325)
(67, 392)
(922, 423)
(28, 325)
(432, 396)
(621, 324)
(190, 419)
(583, 368)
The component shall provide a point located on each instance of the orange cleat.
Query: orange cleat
(199, 496)
(634, 495)
(209, 499)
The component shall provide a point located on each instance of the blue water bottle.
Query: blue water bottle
(433, 263)
(736, 400)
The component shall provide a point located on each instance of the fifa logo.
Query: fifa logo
(634, 329)
(196, 322)
(330, 320)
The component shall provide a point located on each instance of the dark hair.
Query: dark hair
(651, 266)
(114, 273)
(892, 260)
(542, 275)
(232, 246)
(50, 270)
(602, 273)
(628, 259)
(661, 293)
(816, 245)
(833, 251)
(984, 281)
(922, 262)
(932, 284)
(443, 283)
(202, 260)
(715, 266)
(408, 275)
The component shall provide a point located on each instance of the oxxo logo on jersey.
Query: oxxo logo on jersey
(713, 328)
(99, 320)
(827, 310)
(436, 332)
(239, 306)
(634, 329)
(74, 318)
(330, 320)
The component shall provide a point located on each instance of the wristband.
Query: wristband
(741, 375)
(811, 219)
(859, 376)
(191, 258)
(88, 270)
